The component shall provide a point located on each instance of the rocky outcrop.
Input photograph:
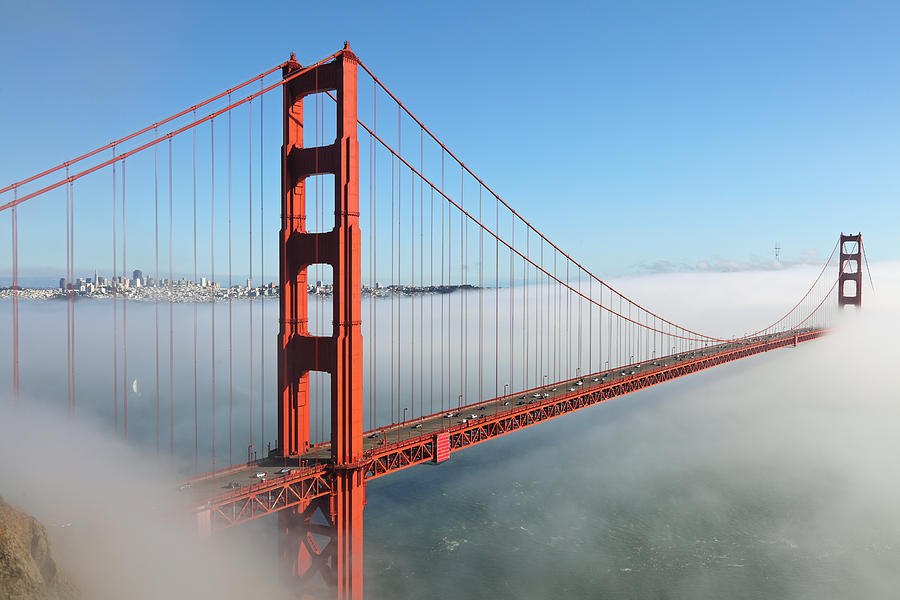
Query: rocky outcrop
(27, 569)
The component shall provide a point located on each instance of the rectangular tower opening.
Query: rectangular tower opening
(319, 119)
(320, 203)
(320, 296)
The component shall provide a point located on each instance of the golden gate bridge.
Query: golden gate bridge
(440, 317)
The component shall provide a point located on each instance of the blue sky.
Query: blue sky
(632, 132)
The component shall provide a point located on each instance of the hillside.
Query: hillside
(27, 568)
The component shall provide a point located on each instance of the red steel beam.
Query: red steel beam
(302, 486)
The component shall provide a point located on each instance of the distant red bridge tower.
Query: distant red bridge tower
(851, 271)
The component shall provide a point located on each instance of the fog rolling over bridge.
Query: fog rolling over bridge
(249, 367)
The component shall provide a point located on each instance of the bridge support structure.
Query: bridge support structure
(339, 516)
(850, 271)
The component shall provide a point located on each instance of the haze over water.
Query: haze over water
(769, 477)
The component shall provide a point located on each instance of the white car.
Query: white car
(260, 475)
(285, 470)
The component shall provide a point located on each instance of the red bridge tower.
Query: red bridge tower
(339, 560)
(851, 271)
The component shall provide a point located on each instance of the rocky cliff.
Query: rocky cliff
(27, 569)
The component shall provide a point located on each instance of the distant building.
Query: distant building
(62, 283)
(203, 282)
(137, 274)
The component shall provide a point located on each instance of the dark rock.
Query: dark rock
(27, 568)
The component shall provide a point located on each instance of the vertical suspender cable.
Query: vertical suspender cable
(262, 281)
(115, 272)
(480, 301)
(568, 323)
(371, 345)
(68, 291)
(250, 261)
(156, 281)
(421, 274)
(196, 299)
(431, 301)
(324, 393)
(171, 317)
(512, 307)
(393, 290)
(399, 257)
(412, 300)
(525, 344)
(124, 316)
(449, 303)
(374, 204)
(442, 280)
(72, 254)
(15, 298)
(230, 323)
(600, 331)
(317, 225)
(371, 336)
(580, 322)
(74, 333)
(590, 368)
(212, 280)
(463, 296)
(463, 238)
(542, 309)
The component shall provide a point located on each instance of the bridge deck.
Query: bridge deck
(237, 494)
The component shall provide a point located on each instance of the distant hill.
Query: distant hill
(27, 569)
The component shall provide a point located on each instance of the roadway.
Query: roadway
(205, 487)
